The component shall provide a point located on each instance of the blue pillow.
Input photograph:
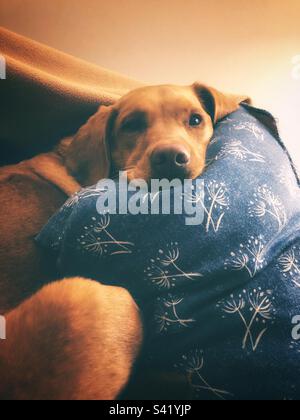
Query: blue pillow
(220, 301)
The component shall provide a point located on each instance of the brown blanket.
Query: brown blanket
(47, 95)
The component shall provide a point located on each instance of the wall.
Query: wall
(236, 45)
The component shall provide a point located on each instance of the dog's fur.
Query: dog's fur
(140, 122)
(78, 339)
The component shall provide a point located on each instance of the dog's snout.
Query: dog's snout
(169, 161)
(170, 155)
(182, 158)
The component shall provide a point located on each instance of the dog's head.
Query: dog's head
(152, 132)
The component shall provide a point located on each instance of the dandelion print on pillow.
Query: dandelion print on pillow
(236, 149)
(218, 299)
(255, 309)
(168, 314)
(267, 204)
(289, 265)
(193, 366)
(164, 270)
(250, 257)
(98, 240)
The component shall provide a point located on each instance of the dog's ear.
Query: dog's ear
(218, 104)
(88, 156)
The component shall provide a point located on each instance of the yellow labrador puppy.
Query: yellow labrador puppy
(66, 340)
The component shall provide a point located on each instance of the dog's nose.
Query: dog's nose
(169, 161)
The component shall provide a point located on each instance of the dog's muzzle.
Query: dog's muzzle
(170, 162)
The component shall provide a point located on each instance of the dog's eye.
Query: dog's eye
(134, 124)
(195, 120)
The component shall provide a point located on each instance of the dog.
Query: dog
(152, 132)
(64, 338)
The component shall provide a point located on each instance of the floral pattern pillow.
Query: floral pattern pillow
(221, 301)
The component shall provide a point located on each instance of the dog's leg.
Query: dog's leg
(75, 339)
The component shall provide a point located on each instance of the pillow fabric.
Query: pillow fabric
(220, 301)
